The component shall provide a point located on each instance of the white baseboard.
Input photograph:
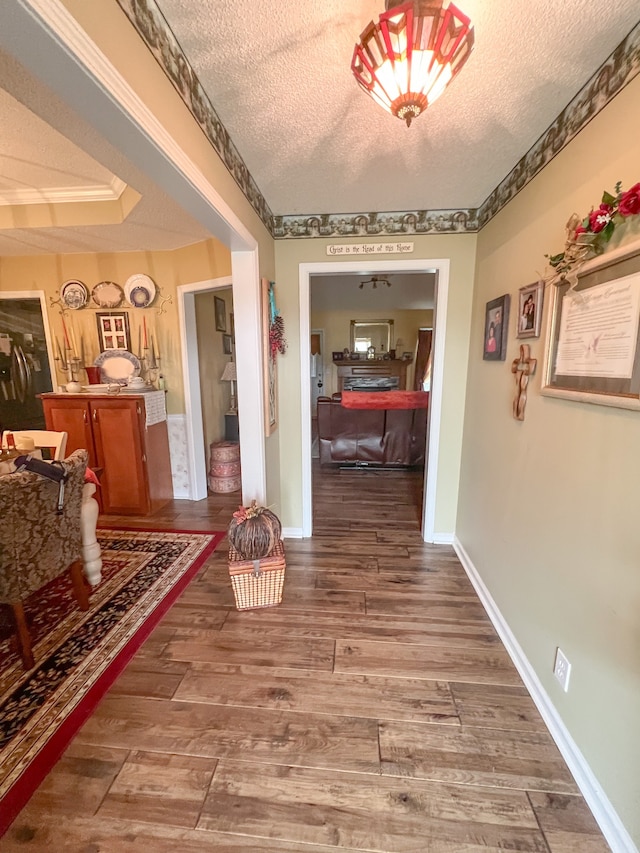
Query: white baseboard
(606, 817)
(292, 533)
(443, 538)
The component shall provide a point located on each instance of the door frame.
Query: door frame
(439, 266)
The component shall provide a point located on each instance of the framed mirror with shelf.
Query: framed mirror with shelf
(367, 334)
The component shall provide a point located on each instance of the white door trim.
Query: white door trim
(46, 39)
(196, 456)
(428, 265)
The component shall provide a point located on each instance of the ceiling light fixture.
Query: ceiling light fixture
(374, 280)
(406, 60)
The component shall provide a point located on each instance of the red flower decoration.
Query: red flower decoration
(600, 218)
(629, 203)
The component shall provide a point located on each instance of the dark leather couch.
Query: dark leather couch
(370, 437)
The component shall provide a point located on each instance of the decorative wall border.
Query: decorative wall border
(612, 76)
(376, 224)
(154, 30)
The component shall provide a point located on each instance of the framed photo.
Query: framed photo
(227, 344)
(593, 349)
(496, 324)
(337, 356)
(221, 314)
(113, 330)
(530, 301)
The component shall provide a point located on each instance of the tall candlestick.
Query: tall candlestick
(66, 335)
(59, 351)
(144, 327)
(73, 341)
(139, 340)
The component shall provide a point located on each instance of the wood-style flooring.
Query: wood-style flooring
(374, 710)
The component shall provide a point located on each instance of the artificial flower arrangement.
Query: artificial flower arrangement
(277, 341)
(588, 237)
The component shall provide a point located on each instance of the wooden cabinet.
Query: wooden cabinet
(371, 370)
(134, 458)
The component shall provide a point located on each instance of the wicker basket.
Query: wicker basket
(257, 583)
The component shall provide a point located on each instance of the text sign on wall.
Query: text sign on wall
(369, 248)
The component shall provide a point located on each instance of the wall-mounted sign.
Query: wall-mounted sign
(369, 249)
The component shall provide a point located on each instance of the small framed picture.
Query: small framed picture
(221, 314)
(496, 324)
(227, 344)
(337, 356)
(113, 330)
(530, 301)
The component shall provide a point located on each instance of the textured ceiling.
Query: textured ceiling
(278, 75)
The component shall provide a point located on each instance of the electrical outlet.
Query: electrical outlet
(562, 669)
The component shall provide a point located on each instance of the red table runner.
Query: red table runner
(385, 399)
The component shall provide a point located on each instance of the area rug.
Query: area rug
(80, 654)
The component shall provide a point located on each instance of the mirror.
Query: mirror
(371, 333)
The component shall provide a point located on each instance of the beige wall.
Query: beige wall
(460, 249)
(167, 269)
(215, 395)
(337, 327)
(548, 507)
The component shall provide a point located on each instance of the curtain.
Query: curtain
(423, 360)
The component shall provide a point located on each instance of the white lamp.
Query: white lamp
(229, 375)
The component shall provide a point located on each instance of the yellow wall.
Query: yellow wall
(167, 269)
(460, 249)
(548, 507)
(337, 327)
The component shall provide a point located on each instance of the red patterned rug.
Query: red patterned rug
(79, 654)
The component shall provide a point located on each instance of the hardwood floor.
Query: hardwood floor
(374, 710)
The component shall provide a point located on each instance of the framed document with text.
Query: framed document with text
(593, 352)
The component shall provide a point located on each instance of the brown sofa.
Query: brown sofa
(381, 438)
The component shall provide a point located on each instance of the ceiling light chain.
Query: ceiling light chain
(408, 58)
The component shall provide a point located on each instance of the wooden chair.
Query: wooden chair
(38, 543)
(42, 438)
(56, 441)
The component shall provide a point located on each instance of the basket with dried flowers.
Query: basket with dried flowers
(254, 531)
(256, 557)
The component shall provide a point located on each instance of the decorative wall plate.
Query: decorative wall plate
(107, 294)
(139, 290)
(74, 294)
(117, 365)
(140, 297)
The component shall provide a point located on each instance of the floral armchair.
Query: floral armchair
(38, 543)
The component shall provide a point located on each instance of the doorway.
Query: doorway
(440, 268)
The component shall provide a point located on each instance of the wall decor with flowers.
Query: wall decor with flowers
(588, 236)
(274, 343)
(593, 352)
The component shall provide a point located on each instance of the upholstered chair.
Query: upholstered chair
(38, 543)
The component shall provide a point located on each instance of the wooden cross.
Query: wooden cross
(523, 368)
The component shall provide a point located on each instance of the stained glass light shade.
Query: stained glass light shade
(406, 59)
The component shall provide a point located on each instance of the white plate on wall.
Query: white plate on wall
(107, 294)
(117, 366)
(139, 290)
(74, 294)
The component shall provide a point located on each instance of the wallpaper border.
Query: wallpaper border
(612, 76)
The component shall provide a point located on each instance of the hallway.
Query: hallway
(374, 710)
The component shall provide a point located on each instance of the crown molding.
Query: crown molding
(64, 195)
